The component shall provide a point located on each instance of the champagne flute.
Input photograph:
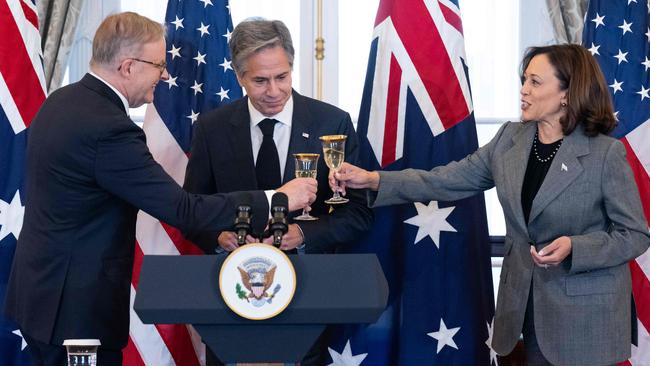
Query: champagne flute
(334, 153)
(306, 167)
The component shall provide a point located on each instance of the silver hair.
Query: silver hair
(121, 34)
(256, 34)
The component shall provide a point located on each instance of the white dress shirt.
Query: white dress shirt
(281, 132)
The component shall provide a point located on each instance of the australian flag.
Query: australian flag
(417, 112)
(617, 33)
(22, 91)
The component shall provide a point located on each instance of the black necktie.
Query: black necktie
(267, 167)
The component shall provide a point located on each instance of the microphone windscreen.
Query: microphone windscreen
(280, 199)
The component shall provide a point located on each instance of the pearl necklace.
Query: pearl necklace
(550, 157)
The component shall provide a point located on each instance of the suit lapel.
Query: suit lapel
(302, 137)
(515, 170)
(240, 137)
(564, 169)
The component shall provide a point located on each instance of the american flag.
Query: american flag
(201, 78)
(618, 35)
(417, 112)
(22, 90)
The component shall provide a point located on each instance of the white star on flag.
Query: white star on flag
(11, 217)
(203, 29)
(617, 86)
(621, 56)
(430, 221)
(493, 353)
(226, 65)
(646, 63)
(200, 59)
(643, 93)
(444, 336)
(228, 34)
(193, 116)
(23, 343)
(346, 358)
(176, 52)
(598, 20)
(206, 3)
(171, 81)
(594, 49)
(223, 93)
(647, 34)
(631, 1)
(197, 87)
(626, 27)
(178, 22)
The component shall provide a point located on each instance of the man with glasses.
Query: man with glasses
(88, 171)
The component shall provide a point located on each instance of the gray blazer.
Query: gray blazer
(582, 307)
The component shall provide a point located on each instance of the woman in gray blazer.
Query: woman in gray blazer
(572, 210)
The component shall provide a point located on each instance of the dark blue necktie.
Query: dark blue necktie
(267, 167)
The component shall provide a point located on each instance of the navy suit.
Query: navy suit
(88, 172)
(221, 161)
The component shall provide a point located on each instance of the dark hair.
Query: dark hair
(257, 34)
(588, 100)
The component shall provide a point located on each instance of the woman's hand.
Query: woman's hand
(351, 176)
(552, 254)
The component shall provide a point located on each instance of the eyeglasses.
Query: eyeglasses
(160, 66)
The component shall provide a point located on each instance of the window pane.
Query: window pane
(356, 23)
(491, 29)
(496, 222)
(288, 11)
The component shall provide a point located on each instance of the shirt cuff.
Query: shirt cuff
(301, 247)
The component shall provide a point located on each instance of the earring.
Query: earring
(563, 104)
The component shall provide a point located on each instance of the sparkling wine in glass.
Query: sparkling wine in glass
(334, 153)
(306, 167)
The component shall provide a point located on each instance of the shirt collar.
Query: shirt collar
(283, 117)
(122, 97)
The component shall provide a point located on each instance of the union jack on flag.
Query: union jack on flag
(22, 90)
(417, 112)
(201, 78)
(618, 35)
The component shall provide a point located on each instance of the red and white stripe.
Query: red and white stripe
(424, 71)
(638, 155)
(22, 83)
(149, 344)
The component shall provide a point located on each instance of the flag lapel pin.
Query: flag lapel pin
(564, 168)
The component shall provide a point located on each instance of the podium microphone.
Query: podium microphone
(243, 221)
(279, 209)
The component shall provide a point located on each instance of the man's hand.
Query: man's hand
(292, 239)
(301, 192)
(354, 177)
(552, 254)
(228, 241)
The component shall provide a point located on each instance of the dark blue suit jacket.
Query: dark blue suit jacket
(221, 161)
(88, 172)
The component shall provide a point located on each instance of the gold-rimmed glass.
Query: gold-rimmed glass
(334, 154)
(306, 167)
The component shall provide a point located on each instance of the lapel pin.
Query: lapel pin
(305, 135)
(564, 168)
